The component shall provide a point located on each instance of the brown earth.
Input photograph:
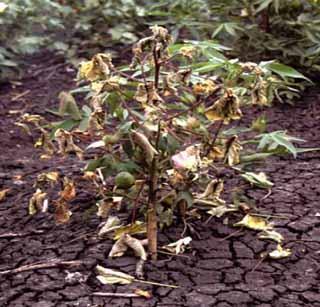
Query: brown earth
(220, 270)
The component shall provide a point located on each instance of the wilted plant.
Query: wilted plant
(157, 128)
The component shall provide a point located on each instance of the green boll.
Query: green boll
(124, 180)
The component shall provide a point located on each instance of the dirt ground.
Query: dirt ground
(220, 270)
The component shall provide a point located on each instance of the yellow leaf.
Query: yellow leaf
(254, 222)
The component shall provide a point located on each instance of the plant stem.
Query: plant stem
(157, 66)
(152, 226)
(155, 283)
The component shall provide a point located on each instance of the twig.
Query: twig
(110, 294)
(173, 255)
(9, 235)
(42, 265)
(270, 215)
(267, 195)
(15, 98)
(259, 262)
(231, 235)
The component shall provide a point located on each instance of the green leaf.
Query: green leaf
(286, 71)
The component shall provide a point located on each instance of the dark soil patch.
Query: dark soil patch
(219, 271)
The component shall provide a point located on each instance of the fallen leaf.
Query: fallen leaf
(110, 277)
(3, 194)
(280, 253)
(179, 246)
(254, 222)
(143, 293)
(271, 235)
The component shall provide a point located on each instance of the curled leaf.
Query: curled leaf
(254, 222)
(280, 252)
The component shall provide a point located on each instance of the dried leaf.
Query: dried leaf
(232, 155)
(48, 177)
(206, 87)
(66, 143)
(254, 222)
(111, 224)
(271, 235)
(226, 108)
(136, 228)
(62, 213)
(280, 253)
(110, 277)
(3, 194)
(213, 189)
(260, 180)
(179, 246)
(69, 191)
(99, 67)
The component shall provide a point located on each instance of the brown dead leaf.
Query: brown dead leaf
(62, 213)
(69, 191)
